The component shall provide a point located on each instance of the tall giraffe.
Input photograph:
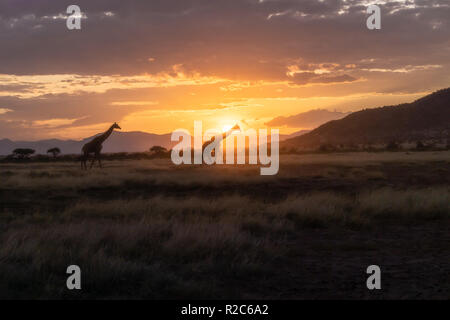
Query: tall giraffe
(95, 146)
(224, 136)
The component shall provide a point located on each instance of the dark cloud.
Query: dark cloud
(310, 77)
(221, 37)
(5, 88)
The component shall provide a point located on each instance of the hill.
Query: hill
(424, 119)
(293, 135)
(310, 119)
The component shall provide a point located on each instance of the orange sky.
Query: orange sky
(159, 66)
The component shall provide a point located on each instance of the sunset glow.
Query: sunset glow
(172, 69)
(227, 127)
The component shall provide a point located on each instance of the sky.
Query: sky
(158, 65)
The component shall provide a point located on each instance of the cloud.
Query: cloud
(54, 123)
(134, 103)
(30, 86)
(304, 78)
(405, 69)
(4, 110)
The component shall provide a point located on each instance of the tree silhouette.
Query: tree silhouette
(393, 146)
(23, 153)
(420, 146)
(158, 149)
(54, 151)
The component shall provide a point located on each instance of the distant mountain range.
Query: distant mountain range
(427, 118)
(118, 142)
(136, 141)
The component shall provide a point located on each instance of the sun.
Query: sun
(227, 127)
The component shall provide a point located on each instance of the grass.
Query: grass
(148, 229)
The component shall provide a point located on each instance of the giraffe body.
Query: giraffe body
(95, 147)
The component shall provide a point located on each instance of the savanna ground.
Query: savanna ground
(150, 229)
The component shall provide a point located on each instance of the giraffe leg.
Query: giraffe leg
(99, 161)
(92, 163)
(84, 159)
(83, 162)
(97, 157)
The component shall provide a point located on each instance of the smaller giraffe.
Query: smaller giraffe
(224, 136)
(95, 146)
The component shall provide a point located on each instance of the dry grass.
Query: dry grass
(431, 203)
(324, 208)
(358, 158)
(170, 247)
(148, 229)
(158, 172)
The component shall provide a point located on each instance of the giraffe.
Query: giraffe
(95, 146)
(224, 136)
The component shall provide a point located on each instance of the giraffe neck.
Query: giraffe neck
(106, 135)
(226, 134)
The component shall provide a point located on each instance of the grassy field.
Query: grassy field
(150, 229)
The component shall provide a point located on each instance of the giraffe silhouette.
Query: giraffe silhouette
(95, 146)
(224, 136)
